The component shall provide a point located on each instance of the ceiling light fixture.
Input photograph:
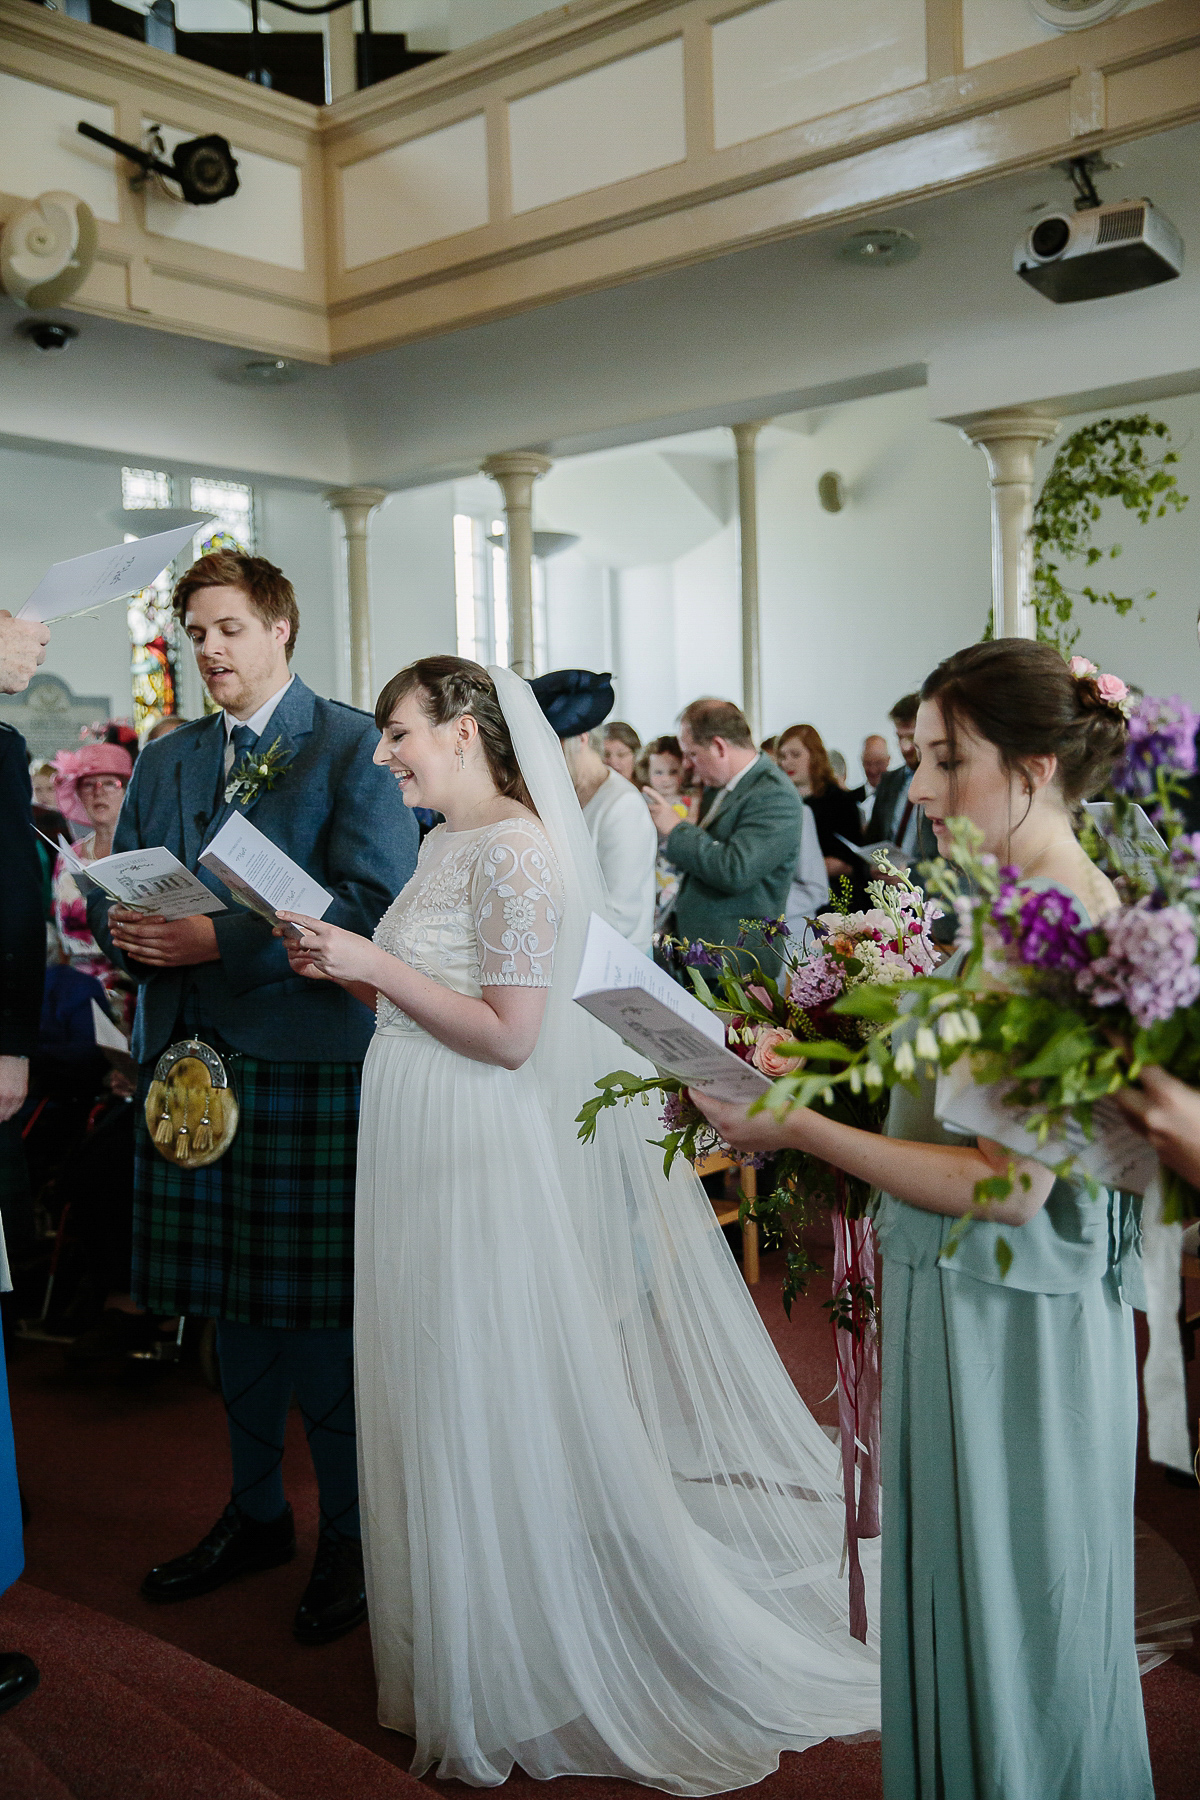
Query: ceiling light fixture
(881, 248)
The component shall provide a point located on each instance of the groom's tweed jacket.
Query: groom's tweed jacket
(741, 865)
(332, 811)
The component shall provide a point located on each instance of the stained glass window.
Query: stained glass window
(233, 504)
(154, 646)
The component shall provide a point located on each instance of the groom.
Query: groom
(261, 1240)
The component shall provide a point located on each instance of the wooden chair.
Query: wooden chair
(727, 1210)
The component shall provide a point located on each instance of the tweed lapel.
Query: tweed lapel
(288, 725)
(732, 803)
(199, 772)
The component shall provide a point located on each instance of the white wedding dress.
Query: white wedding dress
(602, 1532)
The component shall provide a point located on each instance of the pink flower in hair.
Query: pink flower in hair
(1112, 689)
(1080, 666)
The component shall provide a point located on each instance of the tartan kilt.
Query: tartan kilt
(264, 1236)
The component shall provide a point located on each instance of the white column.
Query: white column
(1010, 441)
(515, 471)
(356, 506)
(746, 439)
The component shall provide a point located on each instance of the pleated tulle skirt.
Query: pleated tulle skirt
(539, 1593)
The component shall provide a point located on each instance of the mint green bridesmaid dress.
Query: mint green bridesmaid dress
(1008, 1441)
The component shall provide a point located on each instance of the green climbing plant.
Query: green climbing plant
(1130, 460)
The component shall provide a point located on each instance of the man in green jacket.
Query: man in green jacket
(738, 861)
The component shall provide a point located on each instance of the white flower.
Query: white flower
(951, 1029)
(872, 1075)
(971, 1026)
(926, 1045)
(520, 914)
(855, 1079)
(905, 1061)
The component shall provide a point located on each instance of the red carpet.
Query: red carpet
(119, 1476)
(119, 1713)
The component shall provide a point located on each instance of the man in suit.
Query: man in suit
(894, 819)
(22, 966)
(739, 859)
(262, 1239)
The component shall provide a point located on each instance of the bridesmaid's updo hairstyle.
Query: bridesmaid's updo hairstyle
(1023, 698)
(450, 686)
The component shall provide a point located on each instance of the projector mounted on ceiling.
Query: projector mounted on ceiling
(1099, 249)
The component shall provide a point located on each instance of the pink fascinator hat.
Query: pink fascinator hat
(70, 767)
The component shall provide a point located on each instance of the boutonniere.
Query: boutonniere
(257, 770)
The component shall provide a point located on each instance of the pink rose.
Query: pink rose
(765, 1055)
(1112, 689)
(1079, 666)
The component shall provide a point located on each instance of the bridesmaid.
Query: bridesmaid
(1009, 1405)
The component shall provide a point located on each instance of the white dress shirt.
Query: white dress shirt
(257, 721)
(627, 848)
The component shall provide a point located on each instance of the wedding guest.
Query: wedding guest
(620, 747)
(575, 701)
(738, 859)
(22, 966)
(1009, 1388)
(895, 817)
(874, 758)
(664, 773)
(90, 785)
(805, 762)
(164, 727)
(41, 774)
(809, 892)
(768, 748)
(262, 1239)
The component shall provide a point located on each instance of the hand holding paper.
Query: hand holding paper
(257, 873)
(655, 1016)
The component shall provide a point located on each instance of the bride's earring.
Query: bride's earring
(461, 762)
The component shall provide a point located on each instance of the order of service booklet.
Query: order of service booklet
(149, 881)
(1114, 1155)
(658, 1018)
(257, 873)
(112, 1040)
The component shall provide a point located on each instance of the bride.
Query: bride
(602, 1532)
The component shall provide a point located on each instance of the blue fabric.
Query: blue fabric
(333, 811)
(12, 1551)
(1009, 1432)
(242, 739)
(261, 1367)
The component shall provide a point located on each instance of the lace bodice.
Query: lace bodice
(482, 910)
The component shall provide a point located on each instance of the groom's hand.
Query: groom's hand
(164, 943)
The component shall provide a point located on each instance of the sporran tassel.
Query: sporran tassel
(164, 1131)
(181, 1144)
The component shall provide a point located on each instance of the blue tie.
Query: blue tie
(242, 739)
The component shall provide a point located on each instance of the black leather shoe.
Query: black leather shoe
(236, 1545)
(18, 1678)
(335, 1600)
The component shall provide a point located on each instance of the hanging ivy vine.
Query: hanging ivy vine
(1129, 460)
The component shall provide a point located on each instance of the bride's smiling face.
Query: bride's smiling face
(966, 778)
(423, 756)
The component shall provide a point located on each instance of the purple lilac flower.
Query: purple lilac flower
(1162, 735)
(1044, 929)
(816, 983)
(1150, 965)
(677, 1112)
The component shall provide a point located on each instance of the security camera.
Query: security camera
(205, 167)
(48, 334)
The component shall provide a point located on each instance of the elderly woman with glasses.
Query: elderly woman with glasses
(90, 786)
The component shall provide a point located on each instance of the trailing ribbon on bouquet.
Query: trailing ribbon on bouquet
(1164, 1381)
(856, 1346)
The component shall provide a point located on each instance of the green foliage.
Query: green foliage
(1112, 459)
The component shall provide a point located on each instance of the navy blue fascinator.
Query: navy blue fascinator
(574, 700)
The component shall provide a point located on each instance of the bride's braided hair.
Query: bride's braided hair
(449, 687)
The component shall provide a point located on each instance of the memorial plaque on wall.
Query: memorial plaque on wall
(50, 716)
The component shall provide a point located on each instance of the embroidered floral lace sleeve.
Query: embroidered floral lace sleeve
(516, 898)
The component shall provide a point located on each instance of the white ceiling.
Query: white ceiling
(783, 330)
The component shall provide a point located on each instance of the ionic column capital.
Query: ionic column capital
(523, 464)
(1009, 439)
(356, 504)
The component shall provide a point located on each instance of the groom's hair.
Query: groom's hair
(270, 593)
